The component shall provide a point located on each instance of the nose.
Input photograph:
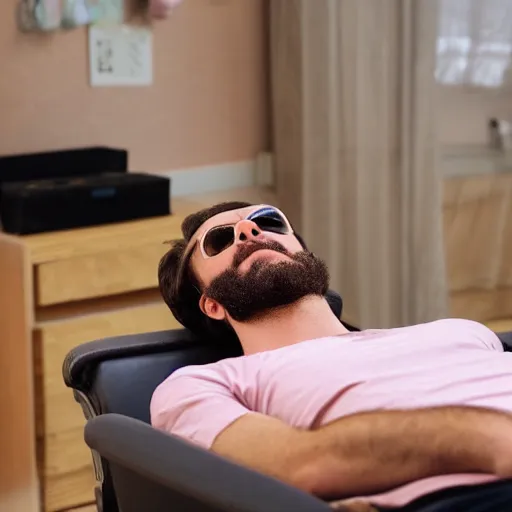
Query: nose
(246, 231)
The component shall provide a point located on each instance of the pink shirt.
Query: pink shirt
(447, 362)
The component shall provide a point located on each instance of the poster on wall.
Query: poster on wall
(120, 56)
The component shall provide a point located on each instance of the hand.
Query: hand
(352, 505)
(503, 455)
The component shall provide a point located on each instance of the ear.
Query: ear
(211, 308)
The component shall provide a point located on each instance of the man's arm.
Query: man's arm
(372, 452)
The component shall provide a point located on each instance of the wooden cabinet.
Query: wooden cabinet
(57, 291)
(477, 217)
(66, 463)
(97, 275)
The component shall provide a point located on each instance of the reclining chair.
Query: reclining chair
(141, 469)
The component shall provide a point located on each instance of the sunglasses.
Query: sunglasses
(219, 238)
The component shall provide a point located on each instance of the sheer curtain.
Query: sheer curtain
(353, 88)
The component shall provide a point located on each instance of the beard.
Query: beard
(267, 285)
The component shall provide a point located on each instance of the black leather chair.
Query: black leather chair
(141, 469)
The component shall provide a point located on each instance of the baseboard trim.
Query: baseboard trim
(212, 178)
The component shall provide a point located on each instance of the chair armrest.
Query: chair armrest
(82, 360)
(506, 340)
(187, 471)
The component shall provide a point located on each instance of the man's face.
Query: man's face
(259, 270)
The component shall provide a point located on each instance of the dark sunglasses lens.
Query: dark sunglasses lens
(218, 239)
(270, 219)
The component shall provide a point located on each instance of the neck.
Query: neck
(303, 320)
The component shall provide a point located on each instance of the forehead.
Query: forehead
(230, 217)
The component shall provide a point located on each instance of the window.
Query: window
(474, 44)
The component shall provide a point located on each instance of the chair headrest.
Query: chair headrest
(335, 301)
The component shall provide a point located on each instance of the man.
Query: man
(416, 415)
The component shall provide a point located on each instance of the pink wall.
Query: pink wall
(208, 103)
(463, 113)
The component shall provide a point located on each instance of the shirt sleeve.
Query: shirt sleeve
(485, 336)
(196, 404)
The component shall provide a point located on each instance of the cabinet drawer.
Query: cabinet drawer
(98, 274)
(64, 459)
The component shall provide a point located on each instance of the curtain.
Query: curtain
(353, 91)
